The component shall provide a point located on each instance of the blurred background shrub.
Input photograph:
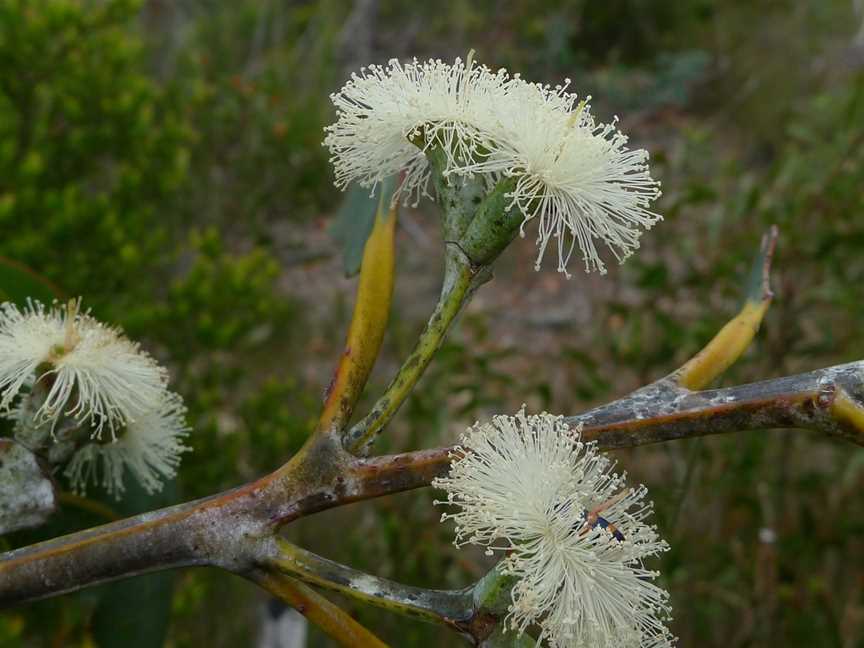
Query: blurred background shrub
(163, 159)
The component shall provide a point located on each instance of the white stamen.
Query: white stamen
(527, 485)
(574, 175)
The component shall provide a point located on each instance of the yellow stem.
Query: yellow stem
(330, 618)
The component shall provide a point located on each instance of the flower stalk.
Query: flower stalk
(459, 281)
(476, 230)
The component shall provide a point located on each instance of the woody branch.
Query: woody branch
(221, 530)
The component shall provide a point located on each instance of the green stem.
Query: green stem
(477, 226)
(459, 280)
(446, 607)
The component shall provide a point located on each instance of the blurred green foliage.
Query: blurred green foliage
(90, 147)
(256, 77)
(100, 165)
(163, 160)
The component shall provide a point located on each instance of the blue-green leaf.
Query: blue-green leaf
(135, 613)
(354, 221)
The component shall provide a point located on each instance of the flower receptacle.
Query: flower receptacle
(493, 227)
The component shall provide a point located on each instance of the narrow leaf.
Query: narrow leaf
(355, 219)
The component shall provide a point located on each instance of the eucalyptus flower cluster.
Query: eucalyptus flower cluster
(87, 397)
(571, 173)
(573, 536)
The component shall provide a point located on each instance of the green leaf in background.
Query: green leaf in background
(508, 639)
(354, 221)
(18, 282)
(135, 613)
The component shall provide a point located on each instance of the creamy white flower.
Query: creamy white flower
(573, 535)
(379, 109)
(574, 175)
(26, 340)
(149, 448)
(90, 372)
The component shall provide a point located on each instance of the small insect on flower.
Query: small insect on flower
(593, 520)
(573, 536)
(81, 368)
